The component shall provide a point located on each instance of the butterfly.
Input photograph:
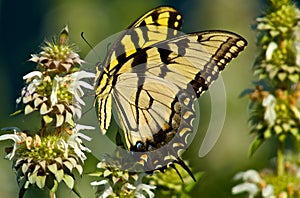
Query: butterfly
(150, 79)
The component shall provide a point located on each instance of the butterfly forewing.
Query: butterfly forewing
(198, 58)
(155, 26)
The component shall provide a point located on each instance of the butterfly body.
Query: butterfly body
(151, 77)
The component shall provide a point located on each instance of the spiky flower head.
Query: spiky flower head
(279, 39)
(47, 161)
(55, 89)
(116, 182)
(58, 56)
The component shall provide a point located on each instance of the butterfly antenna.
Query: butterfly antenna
(92, 48)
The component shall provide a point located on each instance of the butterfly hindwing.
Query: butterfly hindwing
(155, 116)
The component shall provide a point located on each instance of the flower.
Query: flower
(115, 181)
(269, 102)
(52, 158)
(250, 188)
(17, 137)
(252, 184)
(108, 191)
(75, 142)
(76, 84)
(143, 187)
(271, 48)
(56, 98)
(58, 57)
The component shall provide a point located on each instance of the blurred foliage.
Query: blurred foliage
(275, 107)
(25, 24)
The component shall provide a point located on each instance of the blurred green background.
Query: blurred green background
(25, 24)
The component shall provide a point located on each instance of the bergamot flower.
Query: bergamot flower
(56, 88)
(113, 181)
(58, 57)
(55, 153)
(53, 158)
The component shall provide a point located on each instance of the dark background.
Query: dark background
(24, 25)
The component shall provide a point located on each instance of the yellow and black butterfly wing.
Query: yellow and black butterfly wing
(151, 77)
(156, 25)
(153, 98)
(192, 59)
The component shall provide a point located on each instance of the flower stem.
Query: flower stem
(280, 157)
(52, 194)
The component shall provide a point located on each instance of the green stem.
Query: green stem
(280, 157)
(52, 194)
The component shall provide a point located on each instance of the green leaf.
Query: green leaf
(59, 120)
(25, 167)
(40, 181)
(53, 168)
(76, 191)
(69, 165)
(58, 160)
(32, 177)
(61, 108)
(277, 129)
(44, 109)
(257, 142)
(267, 133)
(47, 119)
(79, 169)
(282, 76)
(73, 161)
(294, 132)
(294, 77)
(43, 164)
(106, 173)
(28, 109)
(59, 175)
(37, 102)
(16, 112)
(69, 181)
(69, 118)
(55, 186)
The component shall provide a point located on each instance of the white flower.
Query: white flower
(79, 127)
(33, 74)
(76, 84)
(251, 182)
(108, 189)
(249, 175)
(34, 82)
(17, 138)
(268, 191)
(144, 187)
(270, 50)
(55, 86)
(75, 141)
(140, 188)
(251, 188)
(62, 145)
(269, 103)
(34, 79)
